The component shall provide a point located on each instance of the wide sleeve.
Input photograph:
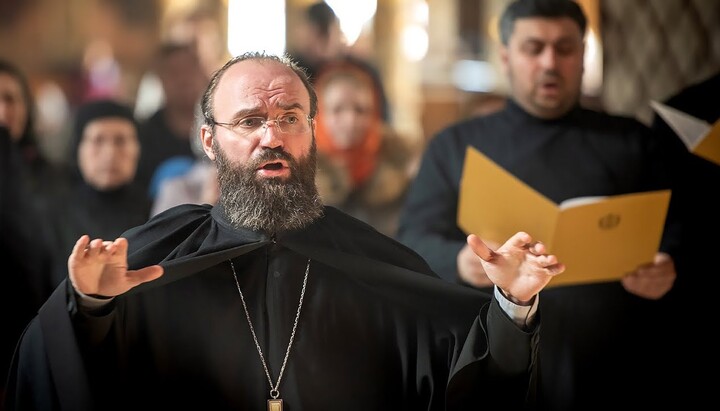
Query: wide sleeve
(497, 367)
(47, 370)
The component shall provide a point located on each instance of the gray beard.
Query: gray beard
(272, 205)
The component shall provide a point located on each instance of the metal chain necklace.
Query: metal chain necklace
(275, 403)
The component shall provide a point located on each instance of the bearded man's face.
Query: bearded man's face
(274, 204)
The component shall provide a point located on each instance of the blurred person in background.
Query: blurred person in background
(319, 40)
(695, 185)
(24, 255)
(196, 185)
(701, 204)
(102, 198)
(27, 180)
(364, 167)
(17, 113)
(180, 180)
(167, 133)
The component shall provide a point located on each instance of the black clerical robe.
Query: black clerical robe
(377, 330)
(82, 209)
(25, 280)
(600, 344)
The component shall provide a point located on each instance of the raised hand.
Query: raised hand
(520, 267)
(100, 268)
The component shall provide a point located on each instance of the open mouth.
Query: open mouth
(272, 166)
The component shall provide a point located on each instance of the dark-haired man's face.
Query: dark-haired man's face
(544, 64)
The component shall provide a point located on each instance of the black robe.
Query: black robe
(81, 209)
(26, 264)
(378, 330)
(600, 344)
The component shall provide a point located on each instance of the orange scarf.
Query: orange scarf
(362, 158)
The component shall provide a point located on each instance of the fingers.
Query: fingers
(80, 245)
(479, 247)
(520, 240)
(525, 240)
(537, 248)
(99, 246)
(86, 248)
(548, 262)
(651, 288)
(662, 266)
(555, 269)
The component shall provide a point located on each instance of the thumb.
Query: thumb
(661, 258)
(146, 274)
(479, 247)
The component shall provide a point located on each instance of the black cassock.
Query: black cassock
(377, 330)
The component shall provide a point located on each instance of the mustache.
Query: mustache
(550, 75)
(270, 154)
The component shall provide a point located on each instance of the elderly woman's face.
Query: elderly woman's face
(108, 153)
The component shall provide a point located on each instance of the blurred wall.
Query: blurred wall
(651, 48)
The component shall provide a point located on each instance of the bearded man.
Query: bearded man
(271, 299)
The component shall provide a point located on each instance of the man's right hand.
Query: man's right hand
(99, 268)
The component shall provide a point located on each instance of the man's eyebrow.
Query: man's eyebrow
(252, 111)
(538, 39)
(290, 106)
(257, 111)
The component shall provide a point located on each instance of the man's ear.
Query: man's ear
(206, 139)
(504, 58)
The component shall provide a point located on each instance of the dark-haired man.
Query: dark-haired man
(597, 346)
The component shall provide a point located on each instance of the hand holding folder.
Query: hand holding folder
(597, 238)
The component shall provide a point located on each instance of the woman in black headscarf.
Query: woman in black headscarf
(102, 199)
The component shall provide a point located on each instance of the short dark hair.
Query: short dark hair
(209, 94)
(519, 9)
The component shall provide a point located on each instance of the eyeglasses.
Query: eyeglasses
(288, 123)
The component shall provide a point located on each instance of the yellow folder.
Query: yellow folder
(699, 136)
(599, 239)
